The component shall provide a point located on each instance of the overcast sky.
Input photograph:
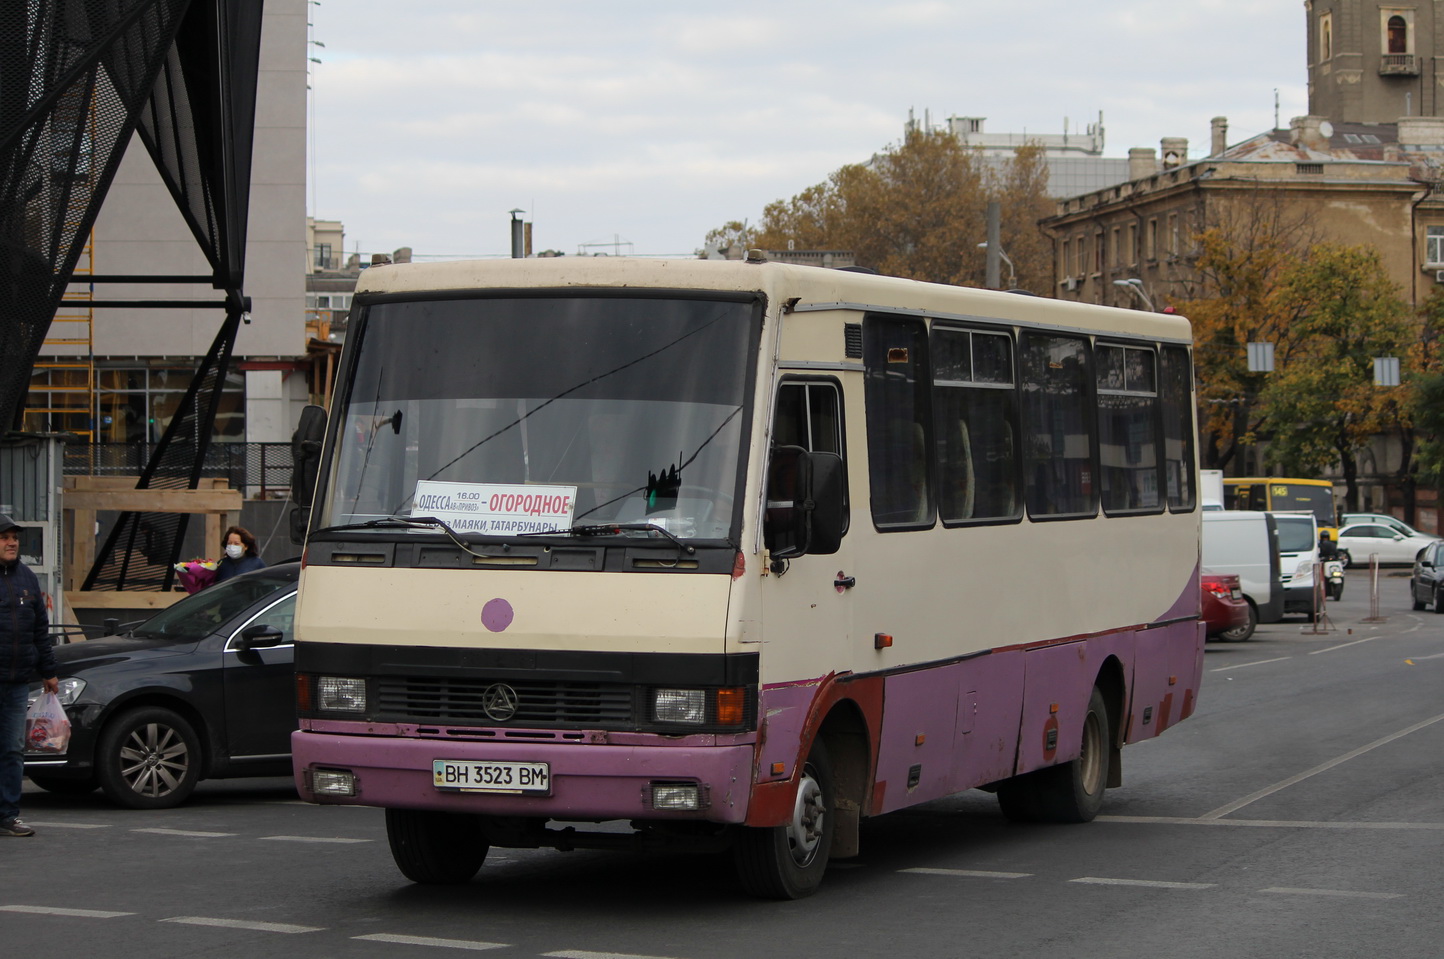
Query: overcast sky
(654, 122)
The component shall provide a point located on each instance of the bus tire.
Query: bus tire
(1018, 798)
(436, 848)
(787, 862)
(1073, 791)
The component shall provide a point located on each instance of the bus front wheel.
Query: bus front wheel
(787, 862)
(436, 848)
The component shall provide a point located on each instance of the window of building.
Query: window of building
(137, 404)
(1133, 244)
(323, 256)
(975, 422)
(1434, 246)
(1127, 429)
(1058, 423)
(1114, 246)
(1098, 252)
(1326, 36)
(1150, 244)
(899, 460)
(1172, 237)
(1397, 35)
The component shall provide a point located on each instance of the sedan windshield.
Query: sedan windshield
(205, 612)
(514, 415)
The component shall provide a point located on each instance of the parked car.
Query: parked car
(1226, 614)
(1426, 586)
(1358, 541)
(1298, 560)
(203, 689)
(1382, 519)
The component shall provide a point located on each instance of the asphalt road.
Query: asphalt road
(1300, 812)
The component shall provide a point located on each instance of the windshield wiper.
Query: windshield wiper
(409, 522)
(609, 529)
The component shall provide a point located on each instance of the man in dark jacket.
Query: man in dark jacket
(26, 652)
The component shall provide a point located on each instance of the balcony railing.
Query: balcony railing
(1398, 65)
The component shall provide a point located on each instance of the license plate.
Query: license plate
(490, 776)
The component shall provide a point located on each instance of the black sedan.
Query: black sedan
(1426, 586)
(203, 689)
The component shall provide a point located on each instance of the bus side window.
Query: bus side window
(809, 416)
(975, 417)
(899, 453)
(1178, 417)
(1128, 420)
(1059, 408)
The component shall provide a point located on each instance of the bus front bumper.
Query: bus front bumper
(586, 781)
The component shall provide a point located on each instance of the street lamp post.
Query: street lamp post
(1135, 286)
(1012, 273)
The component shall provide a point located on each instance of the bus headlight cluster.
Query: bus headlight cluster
(700, 707)
(340, 694)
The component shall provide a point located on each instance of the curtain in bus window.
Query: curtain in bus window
(1057, 409)
(974, 425)
(899, 464)
(1178, 418)
(1127, 429)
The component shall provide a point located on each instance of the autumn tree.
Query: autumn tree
(917, 210)
(1236, 298)
(1321, 395)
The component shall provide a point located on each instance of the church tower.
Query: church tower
(1374, 62)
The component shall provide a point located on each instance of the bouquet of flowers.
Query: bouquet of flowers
(196, 574)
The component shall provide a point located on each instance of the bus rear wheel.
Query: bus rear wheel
(1068, 792)
(436, 848)
(787, 862)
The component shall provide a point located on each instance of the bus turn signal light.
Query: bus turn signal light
(881, 640)
(731, 705)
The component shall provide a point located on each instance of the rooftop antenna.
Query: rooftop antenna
(1276, 108)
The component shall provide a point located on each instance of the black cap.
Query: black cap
(7, 524)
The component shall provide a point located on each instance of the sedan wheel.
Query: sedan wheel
(148, 759)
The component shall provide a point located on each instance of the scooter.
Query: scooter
(1334, 578)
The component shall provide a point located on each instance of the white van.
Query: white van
(1246, 544)
(1298, 557)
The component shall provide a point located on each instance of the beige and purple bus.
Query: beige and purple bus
(736, 554)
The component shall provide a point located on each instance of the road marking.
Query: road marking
(59, 911)
(1334, 892)
(1222, 811)
(574, 954)
(69, 825)
(337, 839)
(1151, 883)
(1330, 649)
(431, 941)
(968, 873)
(1273, 823)
(242, 924)
(193, 833)
(1261, 662)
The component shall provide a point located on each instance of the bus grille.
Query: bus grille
(460, 701)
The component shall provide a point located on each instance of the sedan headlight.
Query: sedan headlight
(340, 694)
(70, 689)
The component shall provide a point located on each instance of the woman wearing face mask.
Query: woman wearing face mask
(241, 554)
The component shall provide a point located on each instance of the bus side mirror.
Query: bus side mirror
(305, 459)
(804, 503)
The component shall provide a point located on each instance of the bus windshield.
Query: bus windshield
(1318, 500)
(513, 415)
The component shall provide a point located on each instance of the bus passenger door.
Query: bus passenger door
(807, 605)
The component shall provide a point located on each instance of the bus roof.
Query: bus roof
(1278, 479)
(816, 288)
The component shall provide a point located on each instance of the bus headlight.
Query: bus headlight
(680, 706)
(701, 707)
(340, 694)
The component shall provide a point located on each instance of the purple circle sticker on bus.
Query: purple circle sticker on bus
(497, 615)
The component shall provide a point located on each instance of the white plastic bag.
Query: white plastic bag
(47, 728)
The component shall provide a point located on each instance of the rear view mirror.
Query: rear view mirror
(260, 636)
(804, 503)
(305, 460)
